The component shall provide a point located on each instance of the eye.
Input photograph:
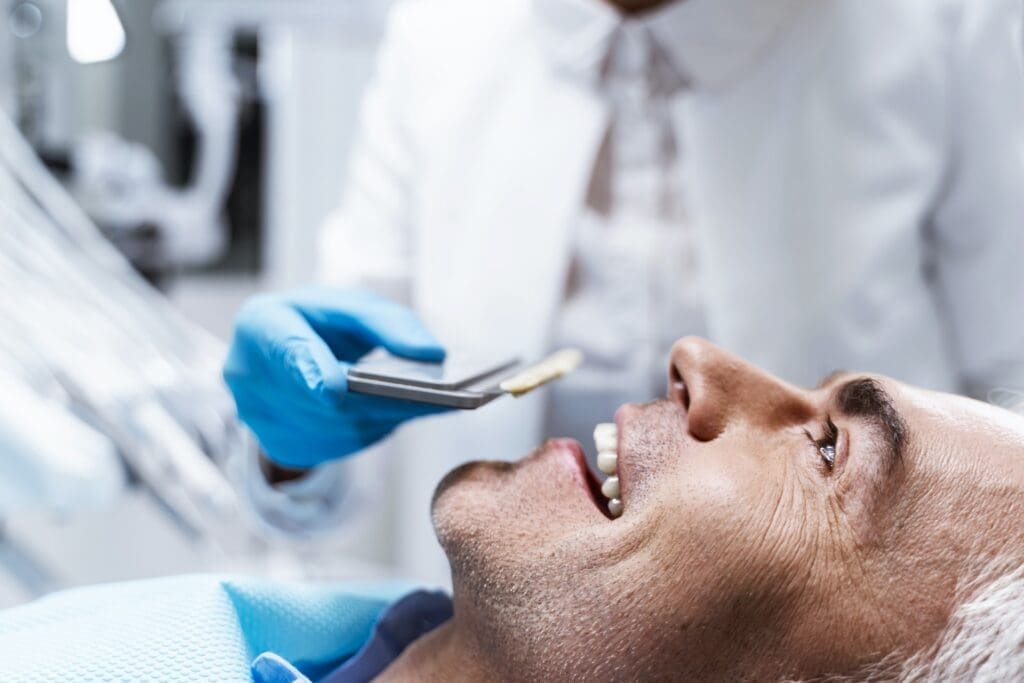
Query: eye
(827, 444)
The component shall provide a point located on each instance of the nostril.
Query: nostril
(677, 386)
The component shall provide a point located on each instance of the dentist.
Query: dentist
(811, 183)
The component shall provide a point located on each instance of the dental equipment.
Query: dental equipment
(459, 382)
(87, 335)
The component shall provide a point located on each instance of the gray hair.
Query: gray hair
(984, 640)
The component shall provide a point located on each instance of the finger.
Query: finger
(372, 319)
(270, 668)
(313, 448)
(395, 410)
(274, 340)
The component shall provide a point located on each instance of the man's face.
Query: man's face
(742, 550)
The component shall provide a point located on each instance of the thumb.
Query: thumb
(372, 319)
(270, 668)
(401, 332)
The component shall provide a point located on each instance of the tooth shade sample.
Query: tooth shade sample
(551, 368)
(606, 437)
(615, 507)
(610, 487)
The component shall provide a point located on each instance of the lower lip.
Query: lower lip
(577, 460)
(574, 456)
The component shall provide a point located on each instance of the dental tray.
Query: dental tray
(461, 381)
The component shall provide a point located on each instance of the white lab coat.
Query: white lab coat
(855, 174)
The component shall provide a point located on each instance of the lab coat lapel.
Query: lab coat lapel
(521, 180)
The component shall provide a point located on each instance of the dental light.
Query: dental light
(94, 31)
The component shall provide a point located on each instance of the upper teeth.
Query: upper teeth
(606, 438)
(607, 462)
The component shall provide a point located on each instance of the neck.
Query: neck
(444, 654)
(636, 6)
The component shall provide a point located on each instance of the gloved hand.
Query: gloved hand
(270, 668)
(287, 370)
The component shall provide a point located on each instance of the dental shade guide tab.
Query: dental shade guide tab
(553, 367)
(460, 382)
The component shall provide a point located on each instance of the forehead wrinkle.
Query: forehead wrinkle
(865, 397)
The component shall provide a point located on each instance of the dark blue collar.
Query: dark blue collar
(412, 616)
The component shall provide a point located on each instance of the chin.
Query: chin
(466, 500)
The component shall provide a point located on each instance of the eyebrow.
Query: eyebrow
(865, 397)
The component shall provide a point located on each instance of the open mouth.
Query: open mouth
(605, 488)
(589, 480)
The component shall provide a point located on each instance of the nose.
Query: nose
(714, 388)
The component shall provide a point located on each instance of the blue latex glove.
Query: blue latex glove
(288, 363)
(270, 668)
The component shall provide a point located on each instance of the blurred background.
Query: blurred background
(161, 161)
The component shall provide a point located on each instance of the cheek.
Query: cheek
(728, 530)
(705, 523)
(717, 498)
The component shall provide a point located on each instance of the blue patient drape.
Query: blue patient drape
(188, 628)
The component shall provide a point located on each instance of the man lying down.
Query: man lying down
(861, 529)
